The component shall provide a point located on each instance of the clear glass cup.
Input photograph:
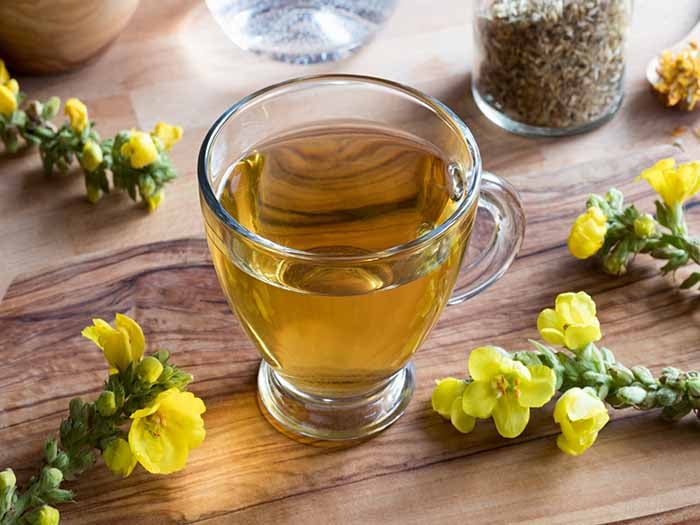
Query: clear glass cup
(550, 67)
(301, 31)
(336, 327)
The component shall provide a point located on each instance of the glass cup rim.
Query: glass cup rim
(441, 111)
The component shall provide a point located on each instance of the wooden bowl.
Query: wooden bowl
(53, 36)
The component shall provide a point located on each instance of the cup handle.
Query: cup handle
(500, 199)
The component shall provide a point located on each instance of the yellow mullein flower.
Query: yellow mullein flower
(447, 401)
(118, 457)
(122, 345)
(162, 434)
(8, 101)
(505, 389)
(167, 134)
(12, 85)
(91, 157)
(674, 185)
(581, 416)
(77, 113)
(572, 323)
(4, 74)
(140, 149)
(588, 233)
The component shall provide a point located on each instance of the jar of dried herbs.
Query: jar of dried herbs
(550, 67)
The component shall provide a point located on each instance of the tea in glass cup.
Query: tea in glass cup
(338, 232)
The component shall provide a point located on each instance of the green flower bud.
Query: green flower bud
(35, 110)
(50, 450)
(595, 378)
(621, 375)
(51, 107)
(147, 187)
(45, 515)
(599, 202)
(615, 265)
(666, 396)
(94, 193)
(615, 198)
(670, 376)
(162, 355)
(649, 401)
(643, 375)
(61, 461)
(693, 386)
(676, 412)
(7, 481)
(149, 369)
(645, 226)
(51, 478)
(91, 156)
(75, 407)
(59, 495)
(632, 395)
(106, 404)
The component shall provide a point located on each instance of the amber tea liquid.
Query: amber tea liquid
(331, 329)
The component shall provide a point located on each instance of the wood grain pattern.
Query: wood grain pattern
(246, 472)
(173, 63)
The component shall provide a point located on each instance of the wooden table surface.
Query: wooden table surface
(173, 63)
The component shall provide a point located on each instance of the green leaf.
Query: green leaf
(691, 281)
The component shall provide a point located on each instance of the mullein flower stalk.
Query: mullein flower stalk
(586, 375)
(138, 161)
(135, 392)
(616, 232)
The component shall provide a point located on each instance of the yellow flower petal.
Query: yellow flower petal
(461, 420)
(588, 233)
(136, 337)
(162, 434)
(161, 453)
(140, 149)
(510, 417)
(485, 362)
(167, 134)
(446, 391)
(77, 114)
(8, 101)
(576, 447)
(552, 336)
(479, 399)
(578, 337)
(581, 416)
(4, 75)
(537, 391)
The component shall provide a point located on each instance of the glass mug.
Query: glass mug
(338, 211)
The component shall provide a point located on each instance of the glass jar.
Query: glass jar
(550, 67)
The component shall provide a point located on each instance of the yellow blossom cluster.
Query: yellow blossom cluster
(679, 77)
(9, 90)
(162, 433)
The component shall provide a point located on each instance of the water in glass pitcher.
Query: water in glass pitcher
(301, 31)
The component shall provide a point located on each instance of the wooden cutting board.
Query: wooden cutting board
(418, 471)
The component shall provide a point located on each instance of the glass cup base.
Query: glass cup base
(340, 419)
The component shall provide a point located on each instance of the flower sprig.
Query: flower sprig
(616, 232)
(138, 160)
(504, 386)
(144, 415)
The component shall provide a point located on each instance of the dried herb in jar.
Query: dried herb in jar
(553, 63)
